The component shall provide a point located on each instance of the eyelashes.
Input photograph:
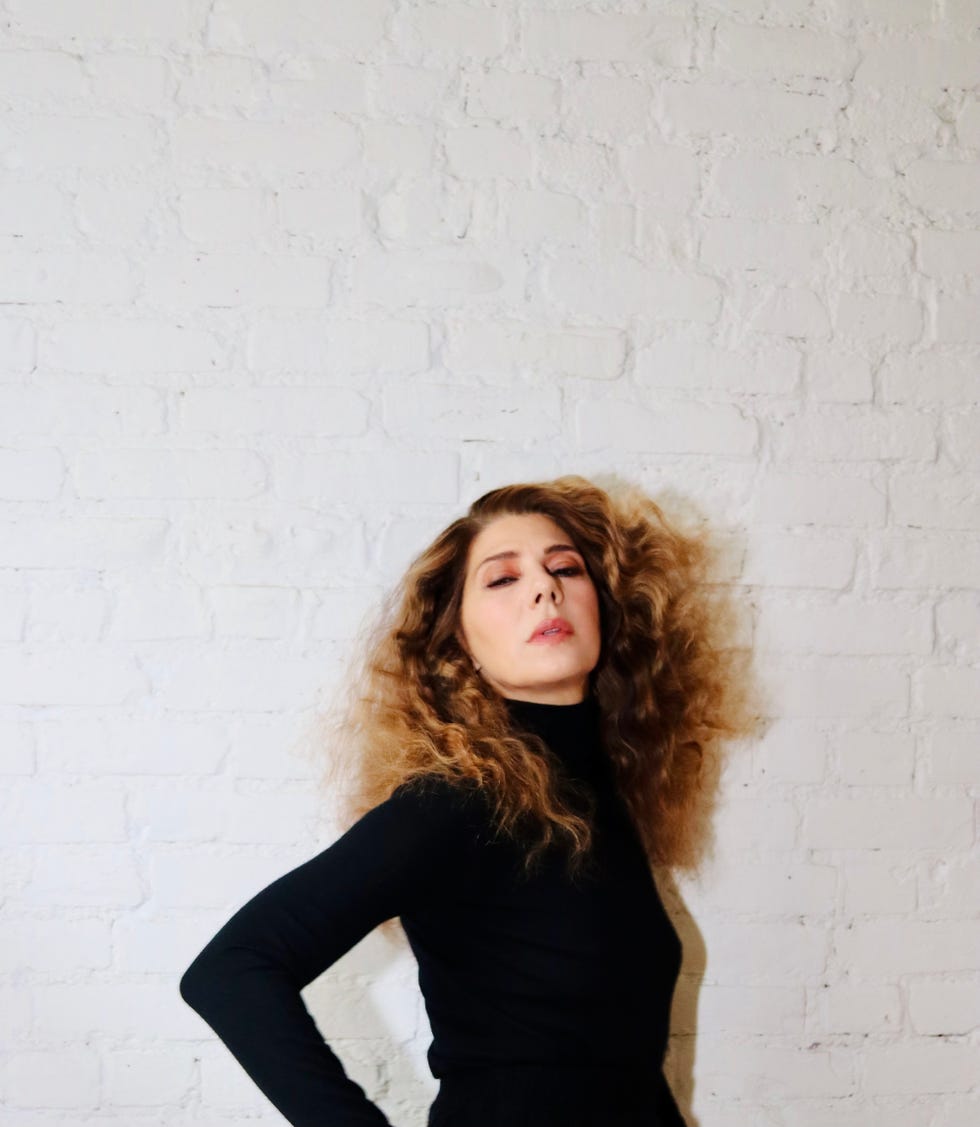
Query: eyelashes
(570, 570)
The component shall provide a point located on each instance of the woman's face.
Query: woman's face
(522, 571)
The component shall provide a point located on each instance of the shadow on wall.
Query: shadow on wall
(746, 715)
(679, 1065)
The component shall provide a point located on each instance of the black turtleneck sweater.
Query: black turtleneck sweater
(553, 973)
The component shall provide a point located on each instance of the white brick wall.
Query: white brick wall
(286, 285)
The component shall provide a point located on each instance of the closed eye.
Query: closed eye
(498, 582)
(571, 570)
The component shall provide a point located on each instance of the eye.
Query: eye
(568, 569)
(501, 580)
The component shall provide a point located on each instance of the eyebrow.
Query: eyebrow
(511, 553)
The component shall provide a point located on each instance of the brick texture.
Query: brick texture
(284, 287)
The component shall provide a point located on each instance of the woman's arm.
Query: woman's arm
(246, 982)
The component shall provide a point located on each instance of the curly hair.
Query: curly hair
(669, 691)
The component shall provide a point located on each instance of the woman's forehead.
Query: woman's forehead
(516, 533)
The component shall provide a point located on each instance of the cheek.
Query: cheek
(485, 619)
(590, 608)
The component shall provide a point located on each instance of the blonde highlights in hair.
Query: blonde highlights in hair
(669, 689)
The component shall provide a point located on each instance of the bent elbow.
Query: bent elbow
(196, 984)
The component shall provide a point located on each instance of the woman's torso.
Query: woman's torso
(550, 996)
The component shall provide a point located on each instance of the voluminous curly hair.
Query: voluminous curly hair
(669, 690)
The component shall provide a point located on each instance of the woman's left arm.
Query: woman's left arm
(246, 981)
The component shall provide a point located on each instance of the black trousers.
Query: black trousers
(534, 1095)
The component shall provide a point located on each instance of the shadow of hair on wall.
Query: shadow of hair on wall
(742, 712)
(679, 1063)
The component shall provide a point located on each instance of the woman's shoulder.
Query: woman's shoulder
(430, 816)
(436, 793)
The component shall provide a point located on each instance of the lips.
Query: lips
(555, 625)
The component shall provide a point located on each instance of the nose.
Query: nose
(547, 585)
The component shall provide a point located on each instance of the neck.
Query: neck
(572, 694)
(570, 730)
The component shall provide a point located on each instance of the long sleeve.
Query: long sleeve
(246, 981)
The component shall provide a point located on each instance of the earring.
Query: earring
(477, 666)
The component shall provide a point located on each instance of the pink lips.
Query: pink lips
(560, 625)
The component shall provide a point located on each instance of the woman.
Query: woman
(529, 728)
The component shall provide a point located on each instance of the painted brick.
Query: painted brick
(296, 24)
(781, 52)
(28, 1079)
(949, 691)
(92, 876)
(951, 754)
(901, 823)
(608, 36)
(881, 949)
(227, 280)
(923, 1065)
(872, 758)
(444, 412)
(221, 81)
(829, 687)
(629, 286)
(66, 277)
(31, 475)
(878, 885)
(139, 1078)
(35, 810)
(938, 1008)
(791, 752)
(927, 63)
(927, 377)
(854, 1009)
(505, 351)
(286, 287)
(268, 410)
(956, 319)
(128, 348)
(41, 143)
(328, 214)
(141, 21)
(17, 752)
(169, 473)
(340, 349)
(17, 342)
(42, 78)
(745, 112)
(506, 96)
(605, 106)
(110, 215)
(225, 216)
(786, 560)
(359, 477)
(51, 674)
(432, 278)
(323, 147)
(846, 627)
(311, 87)
(38, 944)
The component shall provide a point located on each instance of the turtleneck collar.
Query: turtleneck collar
(570, 730)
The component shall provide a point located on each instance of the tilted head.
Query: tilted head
(522, 555)
(529, 612)
(649, 638)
